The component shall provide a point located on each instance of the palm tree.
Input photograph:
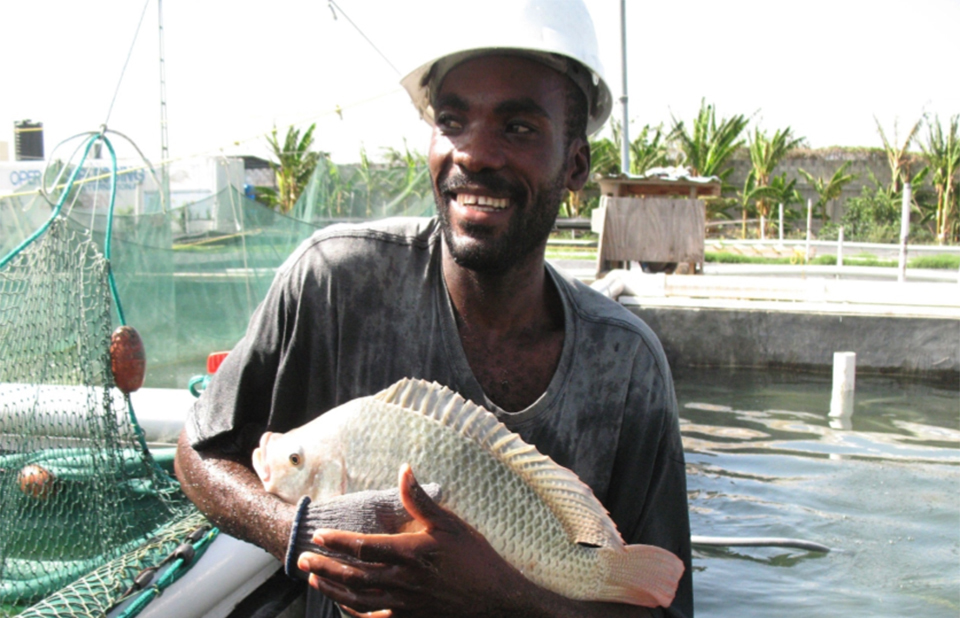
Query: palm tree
(765, 154)
(707, 147)
(750, 197)
(407, 180)
(785, 192)
(943, 157)
(649, 150)
(828, 189)
(897, 156)
(293, 168)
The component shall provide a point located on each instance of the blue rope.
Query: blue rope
(107, 243)
(59, 206)
(107, 252)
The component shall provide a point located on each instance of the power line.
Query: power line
(333, 5)
(126, 62)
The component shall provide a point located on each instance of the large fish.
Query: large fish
(539, 516)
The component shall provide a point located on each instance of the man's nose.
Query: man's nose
(477, 150)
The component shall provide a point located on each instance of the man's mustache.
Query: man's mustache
(458, 180)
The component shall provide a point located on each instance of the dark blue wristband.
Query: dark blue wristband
(290, 563)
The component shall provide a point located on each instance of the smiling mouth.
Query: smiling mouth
(482, 202)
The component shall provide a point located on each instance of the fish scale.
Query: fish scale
(536, 514)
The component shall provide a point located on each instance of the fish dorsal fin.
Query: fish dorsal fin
(583, 517)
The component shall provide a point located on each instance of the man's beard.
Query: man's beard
(529, 227)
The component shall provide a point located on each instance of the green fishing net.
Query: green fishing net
(78, 486)
(84, 504)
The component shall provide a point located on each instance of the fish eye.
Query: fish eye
(296, 459)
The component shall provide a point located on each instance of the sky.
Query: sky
(235, 69)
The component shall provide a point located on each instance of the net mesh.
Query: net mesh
(77, 488)
(80, 494)
(100, 590)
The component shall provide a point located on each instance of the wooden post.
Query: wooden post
(844, 383)
(806, 256)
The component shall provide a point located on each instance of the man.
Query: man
(467, 301)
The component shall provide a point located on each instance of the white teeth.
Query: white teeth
(468, 199)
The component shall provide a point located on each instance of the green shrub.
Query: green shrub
(873, 216)
(942, 261)
(723, 257)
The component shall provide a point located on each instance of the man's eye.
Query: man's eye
(519, 128)
(446, 121)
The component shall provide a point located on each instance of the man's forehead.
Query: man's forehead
(524, 81)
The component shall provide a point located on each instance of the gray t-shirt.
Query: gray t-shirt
(357, 308)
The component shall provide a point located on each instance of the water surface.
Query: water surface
(882, 489)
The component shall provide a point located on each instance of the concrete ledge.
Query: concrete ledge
(794, 291)
(910, 328)
(927, 347)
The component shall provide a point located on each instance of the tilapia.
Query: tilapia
(539, 516)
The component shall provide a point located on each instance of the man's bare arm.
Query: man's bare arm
(227, 490)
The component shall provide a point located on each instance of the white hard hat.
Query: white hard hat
(550, 31)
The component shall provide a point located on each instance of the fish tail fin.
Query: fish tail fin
(640, 575)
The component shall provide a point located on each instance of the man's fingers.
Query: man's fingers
(420, 506)
(361, 602)
(387, 549)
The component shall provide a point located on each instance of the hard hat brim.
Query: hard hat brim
(422, 82)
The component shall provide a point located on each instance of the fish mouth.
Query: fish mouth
(260, 462)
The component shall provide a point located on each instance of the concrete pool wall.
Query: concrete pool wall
(902, 329)
(716, 337)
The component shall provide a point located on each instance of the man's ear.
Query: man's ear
(578, 164)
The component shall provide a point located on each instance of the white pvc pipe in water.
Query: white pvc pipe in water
(844, 384)
(610, 286)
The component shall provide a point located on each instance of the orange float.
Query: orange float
(128, 360)
(36, 482)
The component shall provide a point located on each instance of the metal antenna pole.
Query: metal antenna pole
(625, 145)
(164, 145)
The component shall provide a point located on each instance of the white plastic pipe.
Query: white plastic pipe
(904, 231)
(840, 248)
(611, 285)
(781, 223)
(844, 384)
(227, 573)
(59, 411)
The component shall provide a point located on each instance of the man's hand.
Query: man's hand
(445, 569)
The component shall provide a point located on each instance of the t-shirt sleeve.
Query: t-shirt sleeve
(648, 489)
(240, 401)
(237, 400)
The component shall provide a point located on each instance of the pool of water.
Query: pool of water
(882, 490)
